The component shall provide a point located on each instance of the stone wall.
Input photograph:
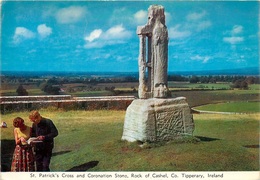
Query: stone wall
(34, 98)
(66, 102)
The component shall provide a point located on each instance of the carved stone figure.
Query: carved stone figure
(155, 58)
(155, 116)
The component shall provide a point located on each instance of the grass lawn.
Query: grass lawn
(91, 140)
(91, 93)
(243, 107)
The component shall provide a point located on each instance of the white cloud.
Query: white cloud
(117, 32)
(140, 17)
(22, 33)
(233, 40)
(197, 21)
(96, 44)
(102, 43)
(70, 14)
(196, 16)
(121, 16)
(114, 35)
(94, 35)
(44, 31)
(237, 29)
(203, 25)
(175, 33)
(204, 59)
(100, 55)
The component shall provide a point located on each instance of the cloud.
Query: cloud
(198, 21)
(44, 31)
(196, 16)
(140, 17)
(237, 29)
(121, 16)
(204, 59)
(117, 32)
(95, 44)
(175, 33)
(114, 35)
(22, 33)
(94, 35)
(101, 55)
(71, 14)
(233, 40)
(203, 25)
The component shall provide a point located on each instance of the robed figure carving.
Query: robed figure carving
(153, 55)
(155, 116)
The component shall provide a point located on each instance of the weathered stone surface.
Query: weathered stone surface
(155, 116)
(153, 55)
(157, 120)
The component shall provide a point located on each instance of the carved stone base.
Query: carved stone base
(150, 120)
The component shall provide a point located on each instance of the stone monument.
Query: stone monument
(155, 116)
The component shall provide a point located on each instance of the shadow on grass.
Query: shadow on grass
(252, 146)
(207, 139)
(84, 167)
(7, 149)
(60, 153)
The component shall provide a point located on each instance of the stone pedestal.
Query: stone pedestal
(151, 120)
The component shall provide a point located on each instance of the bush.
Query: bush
(240, 83)
(21, 91)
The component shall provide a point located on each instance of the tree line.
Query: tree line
(94, 80)
(214, 79)
(52, 85)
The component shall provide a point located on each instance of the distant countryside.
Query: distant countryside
(198, 90)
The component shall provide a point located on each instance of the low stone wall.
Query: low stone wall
(20, 103)
(34, 98)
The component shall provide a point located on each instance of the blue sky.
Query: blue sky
(101, 35)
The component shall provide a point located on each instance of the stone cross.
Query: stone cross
(155, 116)
(153, 55)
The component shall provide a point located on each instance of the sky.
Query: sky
(94, 36)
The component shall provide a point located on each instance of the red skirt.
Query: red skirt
(23, 159)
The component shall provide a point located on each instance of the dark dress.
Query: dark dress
(43, 150)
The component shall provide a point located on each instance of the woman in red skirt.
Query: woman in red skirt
(23, 157)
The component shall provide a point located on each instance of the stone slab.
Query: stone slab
(155, 119)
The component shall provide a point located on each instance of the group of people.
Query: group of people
(26, 155)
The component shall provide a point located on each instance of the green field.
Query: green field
(128, 87)
(239, 107)
(190, 86)
(92, 140)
